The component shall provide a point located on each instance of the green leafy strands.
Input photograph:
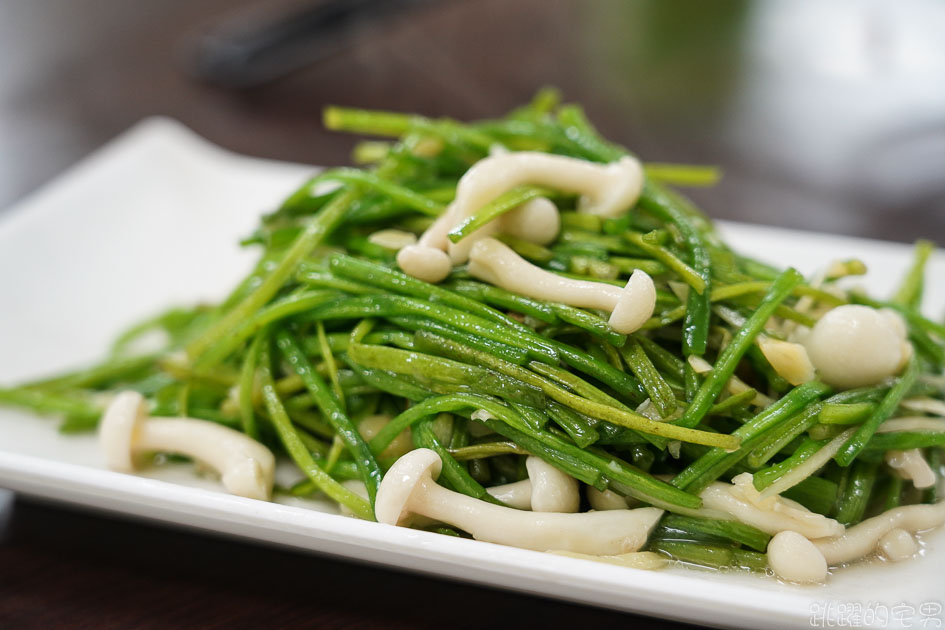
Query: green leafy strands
(611, 472)
(767, 476)
(909, 294)
(732, 530)
(593, 324)
(731, 291)
(296, 448)
(587, 407)
(499, 297)
(389, 382)
(331, 366)
(855, 494)
(107, 373)
(661, 357)
(280, 309)
(576, 384)
(686, 273)
(505, 202)
(845, 413)
(427, 367)
(73, 404)
(398, 282)
(453, 473)
(563, 455)
(627, 266)
(416, 324)
(393, 124)
(533, 418)
(398, 305)
(713, 464)
(576, 426)
(247, 387)
(330, 406)
(725, 366)
(712, 556)
(661, 394)
(317, 275)
(621, 382)
(780, 437)
(398, 193)
(849, 451)
(526, 249)
(316, 230)
(487, 449)
(582, 133)
(696, 324)
(690, 175)
(904, 440)
(815, 493)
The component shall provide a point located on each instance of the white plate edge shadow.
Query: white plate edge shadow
(737, 602)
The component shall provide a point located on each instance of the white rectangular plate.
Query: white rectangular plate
(153, 219)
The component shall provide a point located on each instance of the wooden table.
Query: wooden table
(842, 134)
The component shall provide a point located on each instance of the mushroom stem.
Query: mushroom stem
(536, 221)
(246, 467)
(606, 189)
(911, 465)
(865, 537)
(494, 262)
(547, 489)
(409, 489)
(517, 495)
(771, 514)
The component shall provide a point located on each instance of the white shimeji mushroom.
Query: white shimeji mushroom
(911, 465)
(372, 425)
(771, 514)
(897, 545)
(796, 559)
(789, 359)
(393, 239)
(868, 536)
(547, 489)
(409, 489)
(536, 221)
(246, 467)
(605, 189)
(606, 499)
(630, 307)
(856, 346)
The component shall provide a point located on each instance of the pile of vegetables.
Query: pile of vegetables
(326, 334)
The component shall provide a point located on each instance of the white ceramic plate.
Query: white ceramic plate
(153, 219)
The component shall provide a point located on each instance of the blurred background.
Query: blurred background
(823, 115)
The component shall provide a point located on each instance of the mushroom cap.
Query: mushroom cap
(626, 182)
(397, 487)
(796, 559)
(606, 500)
(117, 429)
(426, 263)
(854, 346)
(536, 220)
(897, 545)
(552, 490)
(635, 304)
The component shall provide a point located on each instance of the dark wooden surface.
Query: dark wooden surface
(825, 116)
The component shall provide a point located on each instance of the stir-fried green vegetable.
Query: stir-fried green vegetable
(327, 332)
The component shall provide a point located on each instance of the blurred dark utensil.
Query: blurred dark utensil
(255, 47)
